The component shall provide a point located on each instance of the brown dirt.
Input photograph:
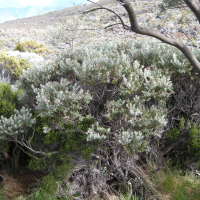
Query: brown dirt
(22, 184)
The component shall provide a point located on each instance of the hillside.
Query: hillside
(33, 27)
(51, 18)
(40, 21)
(10, 13)
(12, 9)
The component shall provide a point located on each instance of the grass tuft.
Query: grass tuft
(172, 185)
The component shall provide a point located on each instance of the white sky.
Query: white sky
(34, 2)
(37, 2)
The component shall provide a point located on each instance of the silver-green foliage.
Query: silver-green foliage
(16, 125)
(74, 31)
(60, 97)
(129, 83)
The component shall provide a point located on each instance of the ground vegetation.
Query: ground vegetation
(113, 120)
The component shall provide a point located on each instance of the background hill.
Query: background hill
(50, 17)
(10, 13)
(35, 27)
(12, 9)
(67, 3)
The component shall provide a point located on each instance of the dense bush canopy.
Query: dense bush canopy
(122, 86)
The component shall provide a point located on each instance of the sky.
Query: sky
(34, 2)
(37, 2)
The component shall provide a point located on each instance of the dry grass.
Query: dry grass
(11, 186)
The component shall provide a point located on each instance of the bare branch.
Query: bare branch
(113, 25)
(28, 153)
(112, 11)
(144, 31)
(32, 150)
(194, 8)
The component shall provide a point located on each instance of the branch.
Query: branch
(113, 25)
(112, 11)
(32, 150)
(194, 8)
(144, 31)
(28, 153)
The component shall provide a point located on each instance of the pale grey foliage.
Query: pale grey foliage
(17, 124)
(68, 34)
(30, 57)
(127, 106)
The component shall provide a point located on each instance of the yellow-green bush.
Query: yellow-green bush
(32, 46)
(12, 65)
(194, 148)
(42, 51)
(28, 46)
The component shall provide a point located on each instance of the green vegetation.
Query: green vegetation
(172, 184)
(191, 147)
(73, 115)
(78, 110)
(85, 100)
(130, 197)
(48, 188)
(8, 100)
(98, 120)
(28, 46)
(32, 46)
(12, 66)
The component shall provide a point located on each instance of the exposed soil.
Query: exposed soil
(24, 183)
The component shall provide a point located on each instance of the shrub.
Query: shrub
(183, 119)
(30, 57)
(70, 33)
(194, 145)
(28, 46)
(48, 188)
(51, 184)
(120, 88)
(8, 100)
(41, 51)
(131, 94)
(11, 66)
(64, 140)
(15, 129)
(7, 43)
(32, 46)
(191, 147)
